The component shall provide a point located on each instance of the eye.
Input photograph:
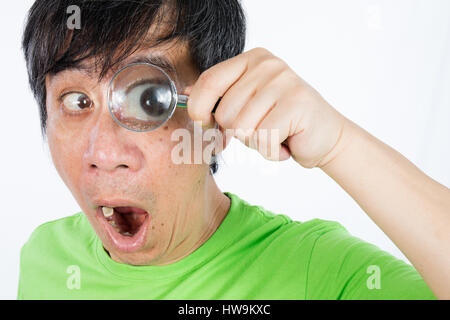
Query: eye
(76, 101)
(149, 101)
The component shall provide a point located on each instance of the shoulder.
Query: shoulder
(62, 227)
(53, 236)
(53, 247)
(283, 229)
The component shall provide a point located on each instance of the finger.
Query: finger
(272, 131)
(214, 82)
(266, 142)
(261, 104)
(211, 85)
(242, 92)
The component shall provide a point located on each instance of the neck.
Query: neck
(215, 206)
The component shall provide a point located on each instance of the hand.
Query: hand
(260, 92)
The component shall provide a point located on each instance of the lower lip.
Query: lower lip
(121, 242)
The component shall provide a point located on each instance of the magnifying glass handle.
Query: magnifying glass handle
(182, 102)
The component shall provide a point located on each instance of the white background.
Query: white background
(383, 64)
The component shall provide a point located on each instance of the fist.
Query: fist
(268, 107)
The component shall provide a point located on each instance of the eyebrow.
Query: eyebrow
(157, 60)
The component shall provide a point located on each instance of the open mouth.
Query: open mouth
(125, 220)
(126, 227)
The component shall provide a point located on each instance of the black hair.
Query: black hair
(111, 30)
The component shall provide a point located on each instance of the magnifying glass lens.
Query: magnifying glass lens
(153, 100)
(141, 97)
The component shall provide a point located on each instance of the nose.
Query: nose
(110, 147)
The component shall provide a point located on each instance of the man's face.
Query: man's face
(104, 164)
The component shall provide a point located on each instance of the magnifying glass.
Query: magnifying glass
(142, 97)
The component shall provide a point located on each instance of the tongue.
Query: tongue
(129, 219)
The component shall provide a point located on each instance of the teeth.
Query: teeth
(113, 224)
(107, 212)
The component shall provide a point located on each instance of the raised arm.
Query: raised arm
(410, 207)
(261, 93)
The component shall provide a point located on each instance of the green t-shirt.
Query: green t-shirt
(254, 254)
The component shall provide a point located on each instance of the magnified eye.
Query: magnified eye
(149, 101)
(77, 101)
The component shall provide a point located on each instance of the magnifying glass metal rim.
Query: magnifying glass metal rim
(177, 100)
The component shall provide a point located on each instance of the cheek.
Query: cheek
(66, 155)
(173, 178)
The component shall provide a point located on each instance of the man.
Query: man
(173, 234)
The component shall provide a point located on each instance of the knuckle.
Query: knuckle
(241, 133)
(285, 77)
(219, 116)
(207, 80)
(261, 51)
(262, 142)
(290, 75)
(273, 63)
(194, 112)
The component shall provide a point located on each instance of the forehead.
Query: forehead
(174, 59)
